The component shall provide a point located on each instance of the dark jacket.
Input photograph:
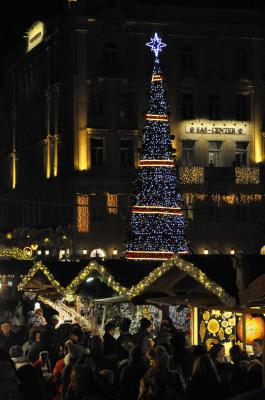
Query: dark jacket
(141, 338)
(8, 382)
(8, 341)
(130, 380)
(109, 345)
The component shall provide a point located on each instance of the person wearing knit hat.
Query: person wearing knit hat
(75, 352)
(16, 354)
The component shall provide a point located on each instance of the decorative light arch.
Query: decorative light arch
(98, 253)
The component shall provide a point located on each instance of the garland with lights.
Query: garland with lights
(137, 289)
(38, 266)
(157, 222)
(15, 253)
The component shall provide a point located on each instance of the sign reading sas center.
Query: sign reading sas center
(35, 35)
(239, 129)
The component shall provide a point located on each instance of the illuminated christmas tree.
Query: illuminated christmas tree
(157, 222)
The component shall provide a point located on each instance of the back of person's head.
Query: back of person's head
(235, 352)
(259, 341)
(214, 350)
(84, 381)
(204, 368)
(145, 323)
(108, 376)
(136, 354)
(161, 357)
(198, 350)
(16, 351)
(96, 345)
(178, 341)
(109, 326)
(125, 325)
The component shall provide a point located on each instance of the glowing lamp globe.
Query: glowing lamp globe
(255, 328)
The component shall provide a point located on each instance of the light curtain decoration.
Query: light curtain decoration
(112, 203)
(246, 175)
(191, 175)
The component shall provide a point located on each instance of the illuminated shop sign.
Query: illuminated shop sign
(35, 35)
(217, 130)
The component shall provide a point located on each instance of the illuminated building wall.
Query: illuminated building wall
(77, 111)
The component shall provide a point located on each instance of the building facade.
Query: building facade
(73, 101)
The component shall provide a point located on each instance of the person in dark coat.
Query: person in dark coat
(182, 356)
(109, 343)
(7, 337)
(84, 385)
(37, 346)
(160, 382)
(8, 381)
(205, 382)
(124, 338)
(132, 374)
(141, 338)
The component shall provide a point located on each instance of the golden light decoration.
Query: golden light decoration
(189, 198)
(67, 312)
(82, 202)
(247, 175)
(5, 277)
(250, 198)
(16, 253)
(38, 266)
(255, 328)
(112, 203)
(202, 278)
(206, 315)
(213, 326)
(191, 175)
(137, 289)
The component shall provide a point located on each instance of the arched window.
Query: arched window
(262, 250)
(98, 253)
(110, 55)
(187, 59)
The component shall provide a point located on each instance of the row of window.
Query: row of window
(241, 109)
(188, 60)
(126, 152)
(215, 156)
(97, 108)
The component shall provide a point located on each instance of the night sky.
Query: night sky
(19, 15)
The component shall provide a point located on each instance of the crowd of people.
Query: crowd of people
(45, 361)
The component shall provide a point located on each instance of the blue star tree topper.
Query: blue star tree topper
(156, 44)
